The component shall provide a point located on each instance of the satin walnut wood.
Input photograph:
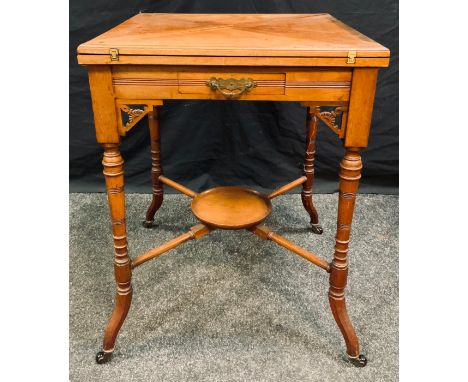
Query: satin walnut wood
(310, 58)
(231, 207)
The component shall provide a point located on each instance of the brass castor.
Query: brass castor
(148, 223)
(103, 357)
(359, 361)
(316, 228)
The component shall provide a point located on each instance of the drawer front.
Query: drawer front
(265, 83)
(319, 84)
(272, 84)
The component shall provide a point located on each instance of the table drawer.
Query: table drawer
(231, 85)
(272, 84)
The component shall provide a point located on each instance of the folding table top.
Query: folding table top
(235, 35)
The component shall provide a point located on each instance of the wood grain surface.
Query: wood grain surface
(201, 56)
(260, 35)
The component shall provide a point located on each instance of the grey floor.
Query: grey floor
(231, 307)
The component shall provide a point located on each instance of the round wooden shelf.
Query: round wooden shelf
(231, 207)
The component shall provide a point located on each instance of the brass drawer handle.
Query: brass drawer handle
(227, 87)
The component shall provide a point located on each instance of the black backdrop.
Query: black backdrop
(257, 144)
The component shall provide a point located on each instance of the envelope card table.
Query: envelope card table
(314, 59)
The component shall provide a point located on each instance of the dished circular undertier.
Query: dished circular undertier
(231, 207)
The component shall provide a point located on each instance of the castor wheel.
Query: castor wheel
(148, 223)
(316, 228)
(359, 361)
(103, 357)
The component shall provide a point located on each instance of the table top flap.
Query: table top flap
(231, 35)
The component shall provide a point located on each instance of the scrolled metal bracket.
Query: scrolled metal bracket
(228, 86)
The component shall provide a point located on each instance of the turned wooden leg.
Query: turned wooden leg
(113, 173)
(350, 173)
(306, 194)
(156, 170)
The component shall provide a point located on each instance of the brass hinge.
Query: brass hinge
(351, 57)
(114, 54)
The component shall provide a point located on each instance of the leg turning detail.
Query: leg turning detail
(113, 172)
(350, 174)
(306, 194)
(156, 169)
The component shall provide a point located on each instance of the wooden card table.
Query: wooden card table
(310, 58)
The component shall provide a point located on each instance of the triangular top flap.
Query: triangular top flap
(234, 35)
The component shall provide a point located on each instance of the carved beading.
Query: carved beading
(115, 190)
(347, 195)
